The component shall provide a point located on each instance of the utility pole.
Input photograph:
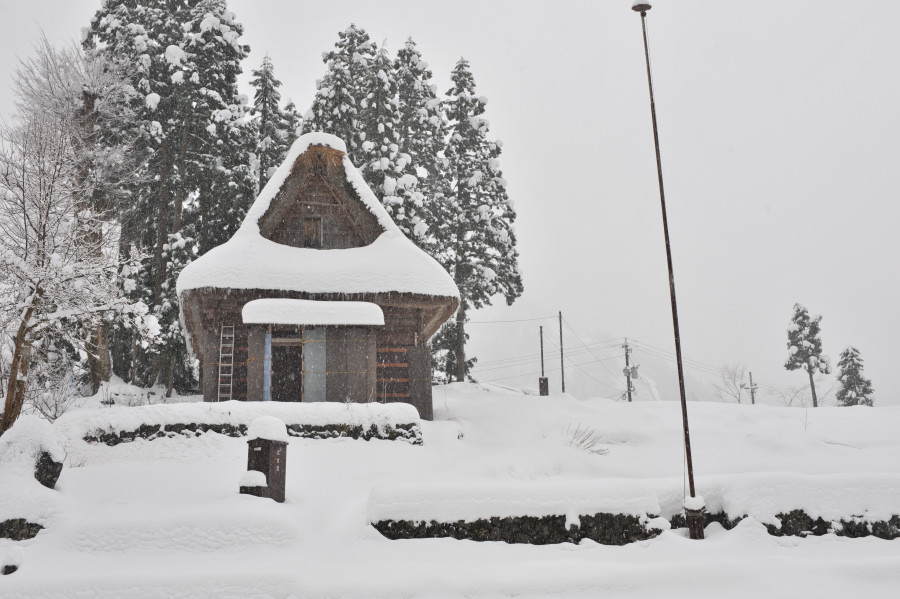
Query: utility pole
(693, 514)
(542, 351)
(628, 369)
(562, 364)
(753, 388)
(543, 386)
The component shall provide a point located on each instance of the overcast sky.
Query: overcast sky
(779, 131)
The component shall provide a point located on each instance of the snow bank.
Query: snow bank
(22, 444)
(762, 496)
(163, 519)
(869, 497)
(469, 502)
(268, 427)
(21, 495)
(309, 312)
(392, 263)
(77, 425)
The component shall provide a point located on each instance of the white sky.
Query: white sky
(778, 124)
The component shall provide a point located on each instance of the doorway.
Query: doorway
(287, 372)
(296, 360)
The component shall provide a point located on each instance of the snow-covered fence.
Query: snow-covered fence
(395, 421)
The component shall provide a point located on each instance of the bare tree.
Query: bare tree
(59, 258)
(732, 385)
(802, 395)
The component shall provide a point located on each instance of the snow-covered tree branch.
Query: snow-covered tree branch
(59, 254)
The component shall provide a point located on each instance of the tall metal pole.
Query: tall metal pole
(561, 362)
(696, 529)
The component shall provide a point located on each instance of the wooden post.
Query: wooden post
(543, 385)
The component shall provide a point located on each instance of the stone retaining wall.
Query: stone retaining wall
(797, 523)
(398, 432)
(619, 529)
(608, 529)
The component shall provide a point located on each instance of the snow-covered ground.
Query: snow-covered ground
(163, 518)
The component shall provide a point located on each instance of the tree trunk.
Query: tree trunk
(132, 375)
(18, 371)
(170, 373)
(162, 234)
(461, 343)
(812, 386)
(182, 175)
(100, 361)
(162, 209)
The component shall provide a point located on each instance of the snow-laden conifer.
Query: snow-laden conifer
(190, 124)
(422, 135)
(276, 127)
(476, 237)
(340, 92)
(390, 173)
(805, 347)
(856, 389)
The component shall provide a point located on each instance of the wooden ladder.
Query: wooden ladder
(392, 375)
(226, 362)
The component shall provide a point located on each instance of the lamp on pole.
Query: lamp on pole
(693, 508)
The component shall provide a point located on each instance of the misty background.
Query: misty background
(778, 130)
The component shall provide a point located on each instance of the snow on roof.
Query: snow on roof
(268, 427)
(310, 312)
(250, 261)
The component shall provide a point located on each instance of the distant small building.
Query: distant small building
(318, 296)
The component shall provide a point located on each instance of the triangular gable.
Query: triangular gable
(317, 208)
(389, 263)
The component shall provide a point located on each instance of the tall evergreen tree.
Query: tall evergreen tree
(422, 135)
(190, 122)
(476, 238)
(389, 172)
(856, 390)
(276, 128)
(341, 91)
(805, 347)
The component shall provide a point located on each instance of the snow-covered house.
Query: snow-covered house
(318, 296)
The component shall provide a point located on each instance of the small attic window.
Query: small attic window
(311, 232)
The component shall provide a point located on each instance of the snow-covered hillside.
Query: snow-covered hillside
(163, 518)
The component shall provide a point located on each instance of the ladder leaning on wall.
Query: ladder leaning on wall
(226, 362)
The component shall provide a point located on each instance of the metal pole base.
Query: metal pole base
(696, 522)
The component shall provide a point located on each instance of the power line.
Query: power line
(516, 364)
(536, 356)
(587, 373)
(693, 364)
(516, 320)
(583, 343)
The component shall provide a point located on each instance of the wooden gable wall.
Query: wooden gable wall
(316, 200)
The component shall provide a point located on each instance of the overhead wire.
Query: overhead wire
(582, 342)
(598, 381)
